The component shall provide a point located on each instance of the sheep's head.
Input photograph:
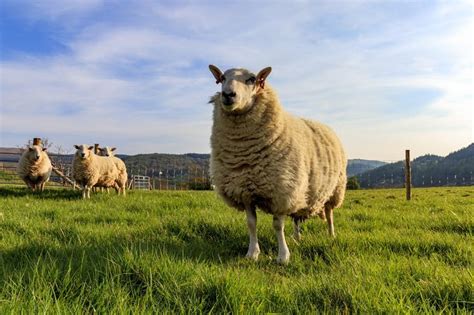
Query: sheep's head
(239, 87)
(35, 152)
(84, 151)
(106, 151)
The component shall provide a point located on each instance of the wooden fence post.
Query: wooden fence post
(408, 174)
(96, 148)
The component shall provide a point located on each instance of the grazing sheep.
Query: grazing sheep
(262, 157)
(89, 170)
(35, 167)
(123, 176)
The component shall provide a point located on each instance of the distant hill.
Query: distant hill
(358, 166)
(194, 160)
(456, 168)
(155, 162)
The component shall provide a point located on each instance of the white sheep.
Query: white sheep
(34, 167)
(262, 157)
(123, 176)
(89, 170)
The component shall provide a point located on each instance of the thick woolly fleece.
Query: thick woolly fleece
(268, 158)
(35, 173)
(121, 167)
(94, 171)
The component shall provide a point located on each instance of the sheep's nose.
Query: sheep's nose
(83, 154)
(229, 95)
(228, 98)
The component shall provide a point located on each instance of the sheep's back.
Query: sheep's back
(326, 165)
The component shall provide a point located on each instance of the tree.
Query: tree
(353, 183)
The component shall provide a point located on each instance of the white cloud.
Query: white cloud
(144, 82)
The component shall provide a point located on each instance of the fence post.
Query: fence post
(408, 174)
(36, 141)
(96, 148)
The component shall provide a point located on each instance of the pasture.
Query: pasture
(169, 252)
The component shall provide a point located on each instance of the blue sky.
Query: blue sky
(386, 75)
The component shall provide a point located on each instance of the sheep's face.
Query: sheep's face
(35, 152)
(84, 151)
(106, 151)
(239, 87)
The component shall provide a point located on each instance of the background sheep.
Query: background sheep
(264, 157)
(122, 168)
(89, 170)
(35, 167)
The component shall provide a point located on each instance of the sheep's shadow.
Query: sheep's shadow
(46, 194)
(214, 245)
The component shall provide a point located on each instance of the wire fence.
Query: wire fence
(189, 178)
(397, 180)
(197, 177)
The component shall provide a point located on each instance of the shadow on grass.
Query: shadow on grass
(46, 194)
(83, 260)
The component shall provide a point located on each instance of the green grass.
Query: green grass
(169, 252)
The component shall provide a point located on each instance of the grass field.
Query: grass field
(183, 252)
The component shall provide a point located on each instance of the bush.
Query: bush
(353, 183)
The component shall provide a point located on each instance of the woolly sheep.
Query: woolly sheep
(123, 176)
(89, 170)
(263, 157)
(35, 167)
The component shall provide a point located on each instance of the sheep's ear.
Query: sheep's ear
(91, 147)
(262, 76)
(113, 149)
(216, 73)
(76, 146)
(44, 149)
(30, 149)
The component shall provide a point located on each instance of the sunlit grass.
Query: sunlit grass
(183, 252)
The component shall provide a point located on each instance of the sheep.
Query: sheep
(123, 176)
(263, 157)
(35, 167)
(89, 170)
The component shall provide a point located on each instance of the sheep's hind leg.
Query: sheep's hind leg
(254, 248)
(328, 211)
(283, 251)
(30, 184)
(297, 229)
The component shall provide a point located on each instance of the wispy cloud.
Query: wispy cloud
(387, 76)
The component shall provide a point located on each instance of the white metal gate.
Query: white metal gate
(141, 182)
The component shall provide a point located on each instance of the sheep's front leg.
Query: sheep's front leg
(86, 192)
(279, 226)
(254, 249)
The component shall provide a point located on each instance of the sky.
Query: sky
(385, 75)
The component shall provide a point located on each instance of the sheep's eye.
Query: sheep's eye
(222, 79)
(250, 80)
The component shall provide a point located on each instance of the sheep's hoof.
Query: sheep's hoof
(283, 259)
(253, 255)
